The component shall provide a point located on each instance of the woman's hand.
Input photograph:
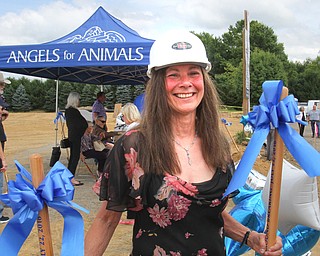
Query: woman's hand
(257, 241)
(4, 166)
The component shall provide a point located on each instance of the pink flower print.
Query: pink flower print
(215, 203)
(139, 233)
(133, 169)
(131, 131)
(158, 251)
(202, 252)
(187, 235)
(137, 173)
(178, 207)
(175, 253)
(159, 216)
(180, 185)
(131, 159)
(164, 192)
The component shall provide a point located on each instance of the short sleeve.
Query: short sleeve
(116, 182)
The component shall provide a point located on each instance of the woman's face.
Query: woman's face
(185, 87)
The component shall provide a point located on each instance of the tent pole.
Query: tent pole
(57, 109)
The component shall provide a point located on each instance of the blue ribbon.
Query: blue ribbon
(279, 114)
(57, 191)
(223, 120)
(59, 115)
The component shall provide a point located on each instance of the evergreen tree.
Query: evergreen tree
(20, 100)
(123, 94)
(137, 90)
(50, 100)
(36, 91)
(110, 96)
(64, 89)
(88, 95)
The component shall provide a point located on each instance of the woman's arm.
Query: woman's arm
(3, 159)
(256, 241)
(101, 231)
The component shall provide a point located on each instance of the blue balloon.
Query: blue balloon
(299, 240)
(139, 102)
(249, 210)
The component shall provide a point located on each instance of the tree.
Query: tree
(123, 94)
(88, 95)
(36, 91)
(20, 100)
(50, 100)
(229, 85)
(264, 66)
(110, 96)
(225, 53)
(311, 79)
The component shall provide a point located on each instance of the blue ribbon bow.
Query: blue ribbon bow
(279, 114)
(57, 191)
(223, 120)
(59, 115)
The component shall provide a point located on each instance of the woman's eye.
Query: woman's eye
(194, 73)
(172, 75)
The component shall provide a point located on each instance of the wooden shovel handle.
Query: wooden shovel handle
(275, 185)
(43, 222)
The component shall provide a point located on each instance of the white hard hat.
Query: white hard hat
(177, 47)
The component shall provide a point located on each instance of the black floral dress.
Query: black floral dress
(172, 217)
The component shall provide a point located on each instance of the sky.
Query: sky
(296, 23)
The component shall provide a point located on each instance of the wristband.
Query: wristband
(245, 238)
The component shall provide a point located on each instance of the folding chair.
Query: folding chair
(83, 160)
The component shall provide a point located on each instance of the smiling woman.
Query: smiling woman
(173, 169)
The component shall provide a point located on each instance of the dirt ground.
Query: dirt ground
(34, 132)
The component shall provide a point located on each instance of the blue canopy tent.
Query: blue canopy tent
(101, 51)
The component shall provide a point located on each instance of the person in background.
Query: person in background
(301, 117)
(314, 117)
(120, 123)
(131, 116)
(98, 107)
(174, 169)
(77, 125)
(3, 116)
(88, 150)
(101, 131)
(3, 108)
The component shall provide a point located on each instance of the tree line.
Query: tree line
(25, 95)
(268, 61)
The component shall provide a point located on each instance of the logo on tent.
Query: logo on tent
(96, 35)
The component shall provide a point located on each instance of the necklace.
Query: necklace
(188, 148)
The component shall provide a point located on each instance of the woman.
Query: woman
(302, 117)
(131, 116)
(174, 170)
(77, 125)
(88, 150)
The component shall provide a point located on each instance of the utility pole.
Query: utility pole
(246, 64)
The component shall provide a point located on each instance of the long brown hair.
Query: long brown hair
(157, 153)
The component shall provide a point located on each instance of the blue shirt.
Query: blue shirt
(98, 108)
